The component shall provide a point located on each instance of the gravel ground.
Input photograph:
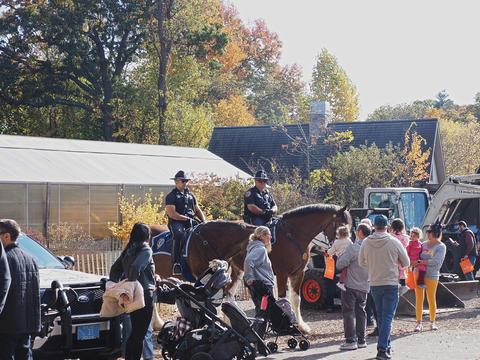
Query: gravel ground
(327, 329)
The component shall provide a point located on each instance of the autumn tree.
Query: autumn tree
(69, 54)
(273, 91)
(331, 83)
(233, 111)
(189, 28)
(415, 110)
(414, 164)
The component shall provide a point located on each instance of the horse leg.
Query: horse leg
(237, 276)
(157, 322)
(295, 284)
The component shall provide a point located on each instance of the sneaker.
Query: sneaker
(433, 326)
(403, 290)
(341, 287)
(422, 286)
(373, 333)
(418, 328)
(177, 269)
(382, 355)
(349, 346)
(362, 344)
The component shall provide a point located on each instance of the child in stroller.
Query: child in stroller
(200, 334)
(279, 318)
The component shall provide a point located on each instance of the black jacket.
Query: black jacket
(5, 278)
(135, 263)
(21, 314)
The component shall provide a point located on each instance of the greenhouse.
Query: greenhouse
(48, 181)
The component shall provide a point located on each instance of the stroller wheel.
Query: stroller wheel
(292, 343)
(273, 347)
(304, 345)
(202, 356)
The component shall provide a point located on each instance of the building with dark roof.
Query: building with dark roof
(250, 147)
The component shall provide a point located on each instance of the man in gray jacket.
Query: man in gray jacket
(381, 253)
(355, 297)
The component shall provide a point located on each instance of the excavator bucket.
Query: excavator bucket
(446, 300)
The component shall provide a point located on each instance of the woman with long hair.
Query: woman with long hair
(136, 264)
(432, 256)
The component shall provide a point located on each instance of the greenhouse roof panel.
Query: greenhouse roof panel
(31, 159)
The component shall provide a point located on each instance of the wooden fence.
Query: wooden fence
(98, 262)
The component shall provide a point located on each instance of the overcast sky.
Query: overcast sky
(394, 51)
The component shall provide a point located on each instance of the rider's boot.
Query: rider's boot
(176, 267)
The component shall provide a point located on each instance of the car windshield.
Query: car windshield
(43, 258)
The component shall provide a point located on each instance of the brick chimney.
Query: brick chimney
(319, 117)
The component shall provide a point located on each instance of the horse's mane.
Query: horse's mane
(310, 209)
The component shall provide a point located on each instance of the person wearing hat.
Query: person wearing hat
(258, 203)
(181, 207)
(468, 248)
(381, 253)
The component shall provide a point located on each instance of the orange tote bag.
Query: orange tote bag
(329, 268)
(466, 265)
(410, 281)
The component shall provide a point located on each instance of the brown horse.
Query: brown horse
(294, 233)
(211, 240)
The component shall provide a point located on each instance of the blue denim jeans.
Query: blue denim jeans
(386, 301)
(471, 275)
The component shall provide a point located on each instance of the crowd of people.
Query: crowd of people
(373, 269)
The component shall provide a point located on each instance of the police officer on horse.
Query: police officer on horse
(259, 206)
(181, 207)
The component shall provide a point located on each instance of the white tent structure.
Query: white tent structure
(48, 181)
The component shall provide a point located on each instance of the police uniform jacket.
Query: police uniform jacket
(184, 202)
(263, 200)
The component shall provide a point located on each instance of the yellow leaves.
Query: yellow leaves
(461, 146)
(148, 210)
(232, 57)
(415, 164)
(233, 111)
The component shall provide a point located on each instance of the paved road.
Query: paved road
(443, 344)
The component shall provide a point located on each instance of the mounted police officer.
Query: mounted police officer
(181, 207)
(259, 206)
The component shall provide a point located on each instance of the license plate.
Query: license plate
(88, 332)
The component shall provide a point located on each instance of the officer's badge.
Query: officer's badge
(248, 193)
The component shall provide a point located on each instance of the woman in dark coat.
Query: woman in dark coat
(136, 263)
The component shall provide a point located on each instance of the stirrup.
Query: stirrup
(177, 269)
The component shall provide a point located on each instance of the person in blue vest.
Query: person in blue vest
(259, 205)
(182, 208)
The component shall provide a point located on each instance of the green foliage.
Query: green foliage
(331, 83)
(348, 173)
(416, 110)
(72, 54)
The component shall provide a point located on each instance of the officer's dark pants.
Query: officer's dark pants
(15, 347)
(257, 221)
(178, 230)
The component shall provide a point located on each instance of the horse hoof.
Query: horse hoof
(304, 328)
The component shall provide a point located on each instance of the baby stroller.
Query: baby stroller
(279, 319)
(200, 334)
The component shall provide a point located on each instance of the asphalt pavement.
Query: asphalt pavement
(434, 345)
